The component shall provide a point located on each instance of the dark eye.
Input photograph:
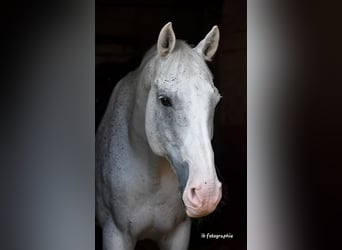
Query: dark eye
(165, 100)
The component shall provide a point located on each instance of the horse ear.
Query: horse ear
(208, 46)
(166, 40)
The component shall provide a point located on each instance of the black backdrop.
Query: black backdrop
(126, 29)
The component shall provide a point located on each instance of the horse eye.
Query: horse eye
(165, 101)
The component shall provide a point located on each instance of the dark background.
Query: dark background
(125, 30)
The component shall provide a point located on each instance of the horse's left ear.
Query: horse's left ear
(208, 46)
(166, 40)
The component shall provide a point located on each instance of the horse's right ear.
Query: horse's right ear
(166, 40)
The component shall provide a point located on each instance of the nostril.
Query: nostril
(194, 198)
(193, 192)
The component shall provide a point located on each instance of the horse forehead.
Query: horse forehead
(185, 74)
(181, 68)
(187, 83)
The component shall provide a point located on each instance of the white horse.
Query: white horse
(154, 160)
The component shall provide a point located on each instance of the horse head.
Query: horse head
(179, 116)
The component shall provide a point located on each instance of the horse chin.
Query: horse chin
(203, 209)
(193, 213)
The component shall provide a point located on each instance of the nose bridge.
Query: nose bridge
(203, 191)
(202, 156)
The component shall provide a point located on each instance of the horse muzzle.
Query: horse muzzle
(202, 199)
